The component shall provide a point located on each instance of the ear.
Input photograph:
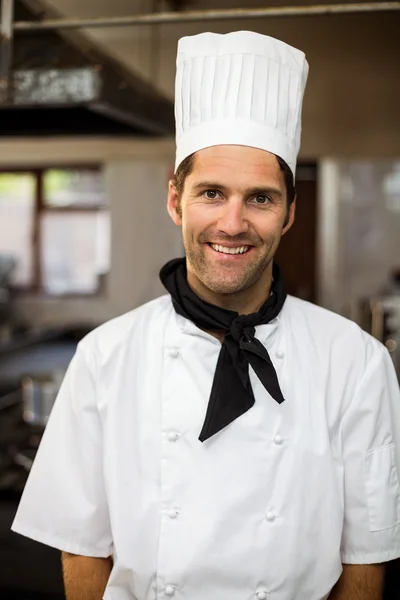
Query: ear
(290, 217)
(173, 202)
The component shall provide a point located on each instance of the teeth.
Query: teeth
(226, 250)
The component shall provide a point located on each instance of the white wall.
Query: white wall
(143, 236)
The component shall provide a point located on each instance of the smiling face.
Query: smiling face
(233, 212)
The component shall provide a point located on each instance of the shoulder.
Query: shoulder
(330, 334)
(117, 333)
(295, 308)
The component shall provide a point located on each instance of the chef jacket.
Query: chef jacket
(268, 508)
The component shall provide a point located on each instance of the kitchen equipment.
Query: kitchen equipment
(38, 397)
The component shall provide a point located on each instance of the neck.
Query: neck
(244, 302)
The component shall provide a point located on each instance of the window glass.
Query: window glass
(75, 251)
(17, 214)
(73, 188)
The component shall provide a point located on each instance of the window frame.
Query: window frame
(40, 207)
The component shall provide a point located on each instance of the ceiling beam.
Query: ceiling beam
(156, 18)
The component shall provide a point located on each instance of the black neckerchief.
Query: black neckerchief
(231, 393)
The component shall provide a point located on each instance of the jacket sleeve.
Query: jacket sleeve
(371, 461)
(64, 503)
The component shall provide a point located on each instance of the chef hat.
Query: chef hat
(239, 88)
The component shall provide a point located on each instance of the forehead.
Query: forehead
(240, 164)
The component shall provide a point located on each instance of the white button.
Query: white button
(279, 354)
(174, 353)
(172, 514)
(270, 516)
(278, 439)
(173, 436)
(169, 590)
(262, 596)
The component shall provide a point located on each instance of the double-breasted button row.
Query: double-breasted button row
(270, 516)
(170, 591)
(174, 353)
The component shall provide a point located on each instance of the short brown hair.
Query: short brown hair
(186, 167)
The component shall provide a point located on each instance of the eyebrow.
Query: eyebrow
(213, 185)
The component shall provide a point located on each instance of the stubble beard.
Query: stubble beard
(228, 279)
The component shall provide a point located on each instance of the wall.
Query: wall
(143, 236)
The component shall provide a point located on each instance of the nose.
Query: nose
(232, 220)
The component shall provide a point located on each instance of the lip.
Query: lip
(229, 257)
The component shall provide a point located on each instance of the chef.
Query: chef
(225, 441)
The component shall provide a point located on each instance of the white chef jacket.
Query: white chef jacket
(268, 508)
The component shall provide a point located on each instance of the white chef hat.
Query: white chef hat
(239, 88)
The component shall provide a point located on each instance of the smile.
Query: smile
(226, 250)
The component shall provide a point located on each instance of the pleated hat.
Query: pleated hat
(240, 88)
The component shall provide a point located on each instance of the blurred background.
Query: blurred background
(86, 152)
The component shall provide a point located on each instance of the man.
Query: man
(224, 442)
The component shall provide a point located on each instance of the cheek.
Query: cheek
(269, 230)
(196, 219)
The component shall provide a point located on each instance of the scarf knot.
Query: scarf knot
(240, 331)
(231, 393)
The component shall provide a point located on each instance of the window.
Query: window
(55, 224)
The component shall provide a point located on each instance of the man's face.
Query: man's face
(233, 212)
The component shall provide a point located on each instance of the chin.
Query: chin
(224, 287)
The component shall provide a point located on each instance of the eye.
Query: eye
(211, 194)
(261, 199)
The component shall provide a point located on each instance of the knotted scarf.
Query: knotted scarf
(231, 393)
